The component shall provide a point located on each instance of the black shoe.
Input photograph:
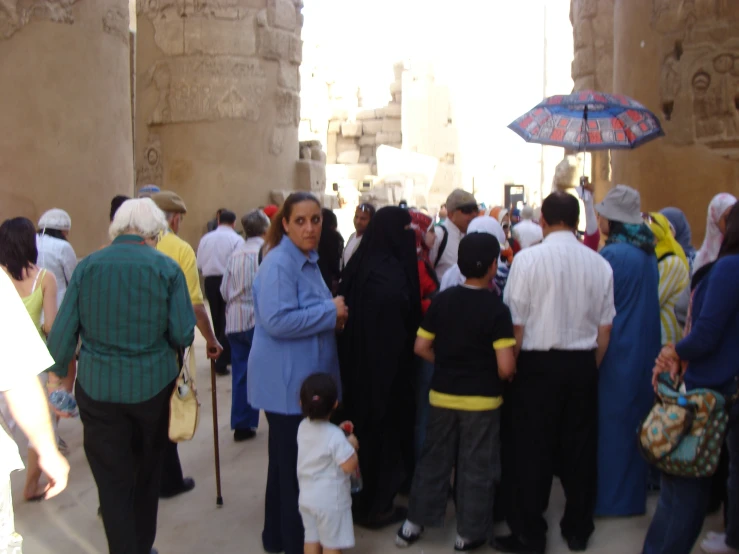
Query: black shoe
(244, 434)
(462, 546)
(221, 371)
(188, 483)
(577, 544)
(512, 544)
(404, 539)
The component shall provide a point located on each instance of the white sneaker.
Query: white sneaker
(715, 543)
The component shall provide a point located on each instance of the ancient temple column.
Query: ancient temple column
(217, 102)
(65, 113)
(681, 59)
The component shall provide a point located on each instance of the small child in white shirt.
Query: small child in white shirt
(326, 459)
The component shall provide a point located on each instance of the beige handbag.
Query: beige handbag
(184, 408)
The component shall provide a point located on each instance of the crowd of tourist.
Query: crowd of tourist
(475, 357)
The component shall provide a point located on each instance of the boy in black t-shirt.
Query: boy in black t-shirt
(468, 334)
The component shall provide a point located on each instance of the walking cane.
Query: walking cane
(216, 448)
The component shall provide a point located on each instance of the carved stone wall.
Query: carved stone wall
(218, 101)
(677, 57)
(699, 72)
(65, 112)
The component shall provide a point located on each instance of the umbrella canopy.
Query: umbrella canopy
(587, 121)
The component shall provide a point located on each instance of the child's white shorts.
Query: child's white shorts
(331, 527)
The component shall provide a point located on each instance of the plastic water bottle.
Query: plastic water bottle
(355, 479)
(63, 401)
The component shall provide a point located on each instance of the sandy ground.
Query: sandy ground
(193, 524)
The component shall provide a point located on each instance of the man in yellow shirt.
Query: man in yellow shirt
(173, 482)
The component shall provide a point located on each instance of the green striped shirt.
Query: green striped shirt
(131, 308)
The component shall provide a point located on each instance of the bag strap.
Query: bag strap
(443, 244)
(188, 361)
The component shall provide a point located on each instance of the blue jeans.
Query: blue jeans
(424, 373)
(243, 416)
(683, 502)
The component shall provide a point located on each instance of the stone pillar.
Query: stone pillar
(217, 103)
(592, 68)
(681, 60)
(65, 113)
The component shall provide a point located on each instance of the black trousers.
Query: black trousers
(554, 423)
(124, 444)
(283, 525)
(218, 314)
(471, 441)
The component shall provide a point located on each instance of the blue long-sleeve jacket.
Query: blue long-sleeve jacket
(294, 335)
(712, 346)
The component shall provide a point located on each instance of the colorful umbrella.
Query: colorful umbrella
(587, 121)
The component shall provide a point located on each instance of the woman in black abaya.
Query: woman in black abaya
(380, 285)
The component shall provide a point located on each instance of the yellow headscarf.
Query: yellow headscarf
(666, 243)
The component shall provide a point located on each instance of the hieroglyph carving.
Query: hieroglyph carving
(115, 23)
(149, 171)
(288, 108)
(699, 81)
(202, 26)
(15, 14)
(202, 88)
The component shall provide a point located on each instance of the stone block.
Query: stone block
(366, 114)
(584, 62)
(318, 156)
(364, 159)
(398, 145)
(282, 14)
(310, 176)
(396, 87)
(371, 126)
(348, 157)
(393, 110)
(367, 151)
(344, 144)
(334, 126)
(215, 36)
(305, 153)
(389, 138)
(351, 129)
(289, 76)
(280, 45)
(398, 97)
(391, 126)
(380, 113)
(339, 115)
(368, 140)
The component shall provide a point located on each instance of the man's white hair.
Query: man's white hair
(140, 216)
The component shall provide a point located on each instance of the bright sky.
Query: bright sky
(490, 53)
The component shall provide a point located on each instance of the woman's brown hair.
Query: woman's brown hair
(276, 230)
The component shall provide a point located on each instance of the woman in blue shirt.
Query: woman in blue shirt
(294, 337)
(711, 351)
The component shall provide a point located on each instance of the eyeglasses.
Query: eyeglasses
(467, 210)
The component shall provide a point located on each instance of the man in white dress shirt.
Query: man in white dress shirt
(461, 208)
(362, 217)
(213, 252)
(560, 294)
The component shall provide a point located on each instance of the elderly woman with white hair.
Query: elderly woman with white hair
(131, 307)
(55, 254)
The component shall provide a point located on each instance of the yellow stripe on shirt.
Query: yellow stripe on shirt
(424, 334)
(500, 344)
(464, 403)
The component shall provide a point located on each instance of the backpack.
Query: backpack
(442, 246)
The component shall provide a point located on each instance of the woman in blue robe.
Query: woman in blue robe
(625, 393)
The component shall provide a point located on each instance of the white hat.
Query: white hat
(622, 204)
(55, 219)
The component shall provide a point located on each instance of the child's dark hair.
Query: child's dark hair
(318, 395)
